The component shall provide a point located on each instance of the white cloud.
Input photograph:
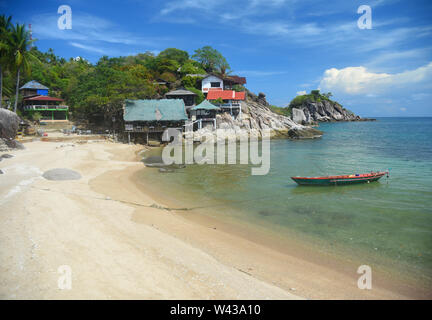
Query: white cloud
(358, 80)
(403, 109)
(301, 93)
(87, 48)
(259, 73)
(187, 5)
(393, 59)
(281, 28)
(86, 27)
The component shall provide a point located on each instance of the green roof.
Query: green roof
(205, 105)
(155, 110)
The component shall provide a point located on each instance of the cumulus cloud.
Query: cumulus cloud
(301, 93)
(359, 80)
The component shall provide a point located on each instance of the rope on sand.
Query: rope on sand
(153, 205)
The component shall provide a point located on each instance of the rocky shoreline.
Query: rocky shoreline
(326, 110)
(257, 117)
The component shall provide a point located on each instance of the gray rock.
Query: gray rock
(9, 124)
(7, 144)
(298, 115)
(323, 111)
(6, 156)
(1, 171)
(61, 174)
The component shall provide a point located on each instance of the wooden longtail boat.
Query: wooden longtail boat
(340, 180)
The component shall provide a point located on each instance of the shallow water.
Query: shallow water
(389, 219)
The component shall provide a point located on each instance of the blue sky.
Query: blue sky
(283, 47)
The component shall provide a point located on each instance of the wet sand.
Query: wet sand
(121, 243)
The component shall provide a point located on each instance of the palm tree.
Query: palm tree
(5, 26)
(224, 70)
(19, 43)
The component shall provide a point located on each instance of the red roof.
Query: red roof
(43, 98)
(225, 95)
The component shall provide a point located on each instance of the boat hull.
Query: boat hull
(338, 180)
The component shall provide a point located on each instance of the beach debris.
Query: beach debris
(61, 174)
(156, 206)
(293, 289)
(65, 145)
(244, 271)
(165, 170)
(107, 198)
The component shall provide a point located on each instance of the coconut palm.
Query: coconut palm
(19, 43)
(5, 26)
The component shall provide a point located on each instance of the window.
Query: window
(215, 84)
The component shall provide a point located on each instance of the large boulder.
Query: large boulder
(9, 124)
(298, 115)
(322, 111)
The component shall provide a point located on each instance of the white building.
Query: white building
(211, 82)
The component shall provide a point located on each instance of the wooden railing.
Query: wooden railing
(45, 107)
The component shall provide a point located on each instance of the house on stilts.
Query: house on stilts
(148, 119)
(204, 115)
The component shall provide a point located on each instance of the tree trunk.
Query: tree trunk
(16, 93)
(1, 87)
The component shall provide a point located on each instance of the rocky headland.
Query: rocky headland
(315, 107)
(257, 117)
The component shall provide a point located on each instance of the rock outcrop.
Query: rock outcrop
(256, 117)
(9, 124)
(322, 111)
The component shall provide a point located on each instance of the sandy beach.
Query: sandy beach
(121, 244)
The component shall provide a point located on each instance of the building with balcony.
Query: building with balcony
(36, 100)
(227, 100)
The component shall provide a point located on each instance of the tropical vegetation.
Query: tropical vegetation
(96, 91)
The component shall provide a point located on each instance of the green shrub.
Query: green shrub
(188, 81)
(300, 100)
(199, 95)
(282, 111)
(36, 116)
(218, 101)
(238, 88)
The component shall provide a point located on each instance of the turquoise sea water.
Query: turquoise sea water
(390, 218)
